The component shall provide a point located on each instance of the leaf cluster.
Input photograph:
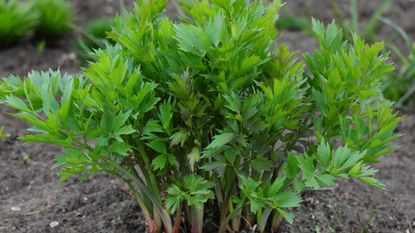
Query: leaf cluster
(18, 19)
(208, 114)
(55, 17)
(46, 18)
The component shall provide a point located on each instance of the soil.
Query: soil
(32, 199)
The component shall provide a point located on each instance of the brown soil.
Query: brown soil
(32, 200)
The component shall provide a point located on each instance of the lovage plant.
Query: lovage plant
(209, 116)
(56, 17)
(17, 19)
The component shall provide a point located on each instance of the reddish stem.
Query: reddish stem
(277, 224)
(152, 226)
(177, 221)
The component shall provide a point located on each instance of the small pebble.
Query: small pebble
(72, 56)
(54, 224)
(15, 208)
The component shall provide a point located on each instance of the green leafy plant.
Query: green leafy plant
(290, 22)
(371, 28)
(400, 86)
(17, 19)
(56, 17)
(208, 115)
(94, 37)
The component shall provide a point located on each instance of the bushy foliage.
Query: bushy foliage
(210, 115)
(56, 17)
(17, 19)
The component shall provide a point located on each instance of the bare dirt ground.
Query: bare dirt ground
(32, 200)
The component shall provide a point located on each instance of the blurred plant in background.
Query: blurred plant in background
(46, 18)
(17, 19)
(94, 37)
(56, 17)
(368, 30)
(291, 22)
(401, 86)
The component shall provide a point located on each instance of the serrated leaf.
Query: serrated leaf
(193, 157)
(221, 140)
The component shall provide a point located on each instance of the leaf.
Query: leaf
(17, 103)
(324, 154)
(372, 181)
(214, 29)
(160, 162)
(125, 130)
(165, 115)
(192, 39)
(261, 164)
(158, 146)
(46, 138)
(276, 185)
(289, 217)
(288, 199)
(216, 165)
(177, 138)
(120, 148)
(291, 167)
(174, 198)
(221, 140)
(193, 157)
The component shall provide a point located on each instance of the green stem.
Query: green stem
(354, 10)
(276, 222)
(168, 227)
(196, 219)
(262, 223)
(229, 180)
(144, 208)
(152, 178)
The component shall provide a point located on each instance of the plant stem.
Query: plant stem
(262, 223)
(168, 227)
(276, 222)
(153, 227)
(177, 220)
(196, 219)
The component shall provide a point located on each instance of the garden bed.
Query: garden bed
(32, 200)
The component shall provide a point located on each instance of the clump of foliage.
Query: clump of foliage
(209, 115)
(291, 22)
(371, 28)
(17, 19)
(95, 37)
(56, 17)
(400, 86)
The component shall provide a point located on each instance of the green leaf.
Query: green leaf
(158, 146)
(17, 103)
(193, 157)
(46, 138)
(160, 162)
(221, 140)
(177, 138)
(324, 154)
(120, 148)
(288, 199)
(261, 164)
